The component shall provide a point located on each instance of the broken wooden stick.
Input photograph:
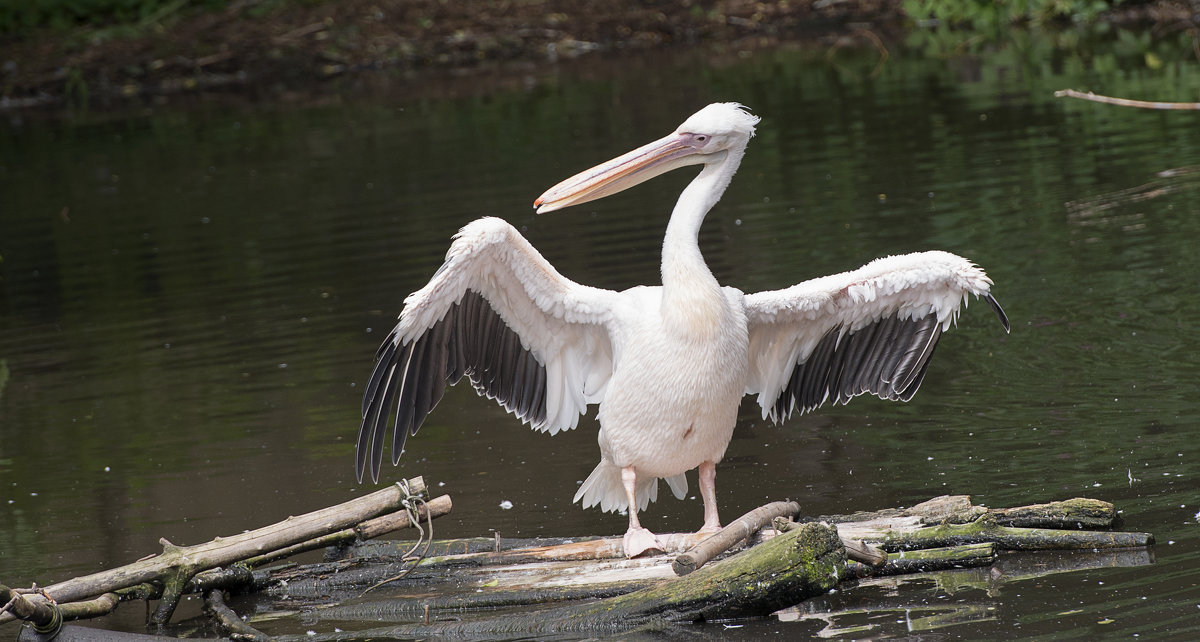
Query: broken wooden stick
(230, 624)
(45, 616)
(381, 525)
(734, 532)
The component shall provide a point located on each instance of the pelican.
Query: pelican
(668, 365)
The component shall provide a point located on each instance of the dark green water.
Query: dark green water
(190, 298)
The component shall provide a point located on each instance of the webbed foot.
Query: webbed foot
(640, 540)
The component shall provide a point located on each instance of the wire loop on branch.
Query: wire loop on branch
(413, 504)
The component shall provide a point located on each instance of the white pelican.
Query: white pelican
(667, 364)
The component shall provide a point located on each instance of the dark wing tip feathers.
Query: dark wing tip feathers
(470, 340)
(995, 305)
(887, 358)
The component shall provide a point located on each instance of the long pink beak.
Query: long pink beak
(621, 173)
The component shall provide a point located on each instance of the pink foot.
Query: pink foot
(640, 540)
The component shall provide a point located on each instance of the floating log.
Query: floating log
(1078, 513)
(951, 520)
(787, 569)
(487, 587)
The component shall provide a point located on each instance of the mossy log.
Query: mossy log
(1011, 539)
(787, 569)
(952, 520)
(1072, 514)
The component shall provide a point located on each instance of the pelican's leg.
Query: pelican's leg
(637, 540)
(708, 492)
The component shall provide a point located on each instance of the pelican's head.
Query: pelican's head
(705, 137)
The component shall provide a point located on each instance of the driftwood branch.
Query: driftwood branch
(927, 560)
(45, 616)
(176, 566)
(1012, 539)
(382, 525)
(739, 529)
(1079, 513)
(1122, 102)
(952, 520)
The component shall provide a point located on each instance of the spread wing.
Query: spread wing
(500, 314)
(869, 330)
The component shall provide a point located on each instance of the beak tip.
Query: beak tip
(541, 206)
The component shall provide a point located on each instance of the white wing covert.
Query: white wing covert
(497, 312)
(868, 330)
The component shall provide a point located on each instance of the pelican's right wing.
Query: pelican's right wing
(499, 313)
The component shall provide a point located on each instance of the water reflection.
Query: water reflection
(189, 301)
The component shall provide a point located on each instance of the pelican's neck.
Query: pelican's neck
(691, 295)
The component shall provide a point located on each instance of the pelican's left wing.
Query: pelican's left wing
(497, 312)
(869, 330)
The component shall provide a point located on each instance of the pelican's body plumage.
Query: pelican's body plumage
(668, 365)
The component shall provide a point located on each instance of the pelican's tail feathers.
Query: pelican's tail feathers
(678, 485)
(604, 487)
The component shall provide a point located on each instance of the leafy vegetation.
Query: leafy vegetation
(989, 15)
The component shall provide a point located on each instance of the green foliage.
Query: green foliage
(989, 15)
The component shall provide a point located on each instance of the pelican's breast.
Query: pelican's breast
(673, 398)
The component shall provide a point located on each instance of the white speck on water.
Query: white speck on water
(506, 504)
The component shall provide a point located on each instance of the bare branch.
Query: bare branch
(1122, 102)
